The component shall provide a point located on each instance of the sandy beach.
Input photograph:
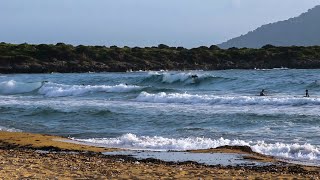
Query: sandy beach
(35, 156)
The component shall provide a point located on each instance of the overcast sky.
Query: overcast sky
(188, 23)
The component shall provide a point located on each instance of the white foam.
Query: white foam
(132, 141)
(13, 87)
(170, 78)
(59, 90)
(9, 129)
(234, 100)
(179, 77)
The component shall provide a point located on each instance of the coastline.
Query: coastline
(65, 58)
(28, 155)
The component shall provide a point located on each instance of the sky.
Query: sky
(188, 23)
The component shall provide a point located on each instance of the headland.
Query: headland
(64, 58)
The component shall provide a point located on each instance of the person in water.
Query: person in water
(307, 93)
(262, 93)
(194, 76)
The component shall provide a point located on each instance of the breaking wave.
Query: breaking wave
(2, 128)
(182, 78)
(132, 141)
(185, 98)
(13, 87)
(60, 90)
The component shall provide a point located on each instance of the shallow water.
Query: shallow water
(171, 110)
(224, 159)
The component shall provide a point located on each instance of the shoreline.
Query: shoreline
(21, 158)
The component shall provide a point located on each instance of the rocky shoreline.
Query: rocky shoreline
(20, 158)
(64, 58)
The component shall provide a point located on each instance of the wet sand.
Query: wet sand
(20, 158)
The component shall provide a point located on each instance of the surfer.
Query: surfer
(307, 93)
(262, 93)
(194, 76)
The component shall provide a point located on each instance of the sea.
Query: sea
(171, 110)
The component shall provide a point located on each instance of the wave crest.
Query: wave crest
(60, 90)
(214, 99)
(14, 87)
(183, 78)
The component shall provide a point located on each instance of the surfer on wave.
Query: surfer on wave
(194, 76)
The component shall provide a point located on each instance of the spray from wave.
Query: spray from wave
(132, 141)
(184, 98)
(60, 90)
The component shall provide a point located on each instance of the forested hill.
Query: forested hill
(300, 31)
(43, 58)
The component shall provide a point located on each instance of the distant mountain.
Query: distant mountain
(303, 30)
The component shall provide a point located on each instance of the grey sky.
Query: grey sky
(188, 23)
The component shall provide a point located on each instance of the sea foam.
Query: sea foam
(158, 143)
(186, 98)
(60, 90)
(2, 128)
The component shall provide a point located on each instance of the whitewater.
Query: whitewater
(171, 110)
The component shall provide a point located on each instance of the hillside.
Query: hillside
(299, 31)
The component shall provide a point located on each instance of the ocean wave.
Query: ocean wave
(2, 128)
(282, 68)
(14, 87)
(60, 90)
(185, 98)
(44, 111)
(183, 78)
(315, 84)
(49, 111)
(132, 141)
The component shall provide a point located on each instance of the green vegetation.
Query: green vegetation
(44, 58)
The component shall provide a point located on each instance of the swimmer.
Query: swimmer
(262, 93)
(307, 93)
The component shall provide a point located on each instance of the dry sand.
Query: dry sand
(19, 159)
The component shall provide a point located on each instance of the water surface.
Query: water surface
(171, 110)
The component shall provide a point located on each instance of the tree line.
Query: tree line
(65, 58)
